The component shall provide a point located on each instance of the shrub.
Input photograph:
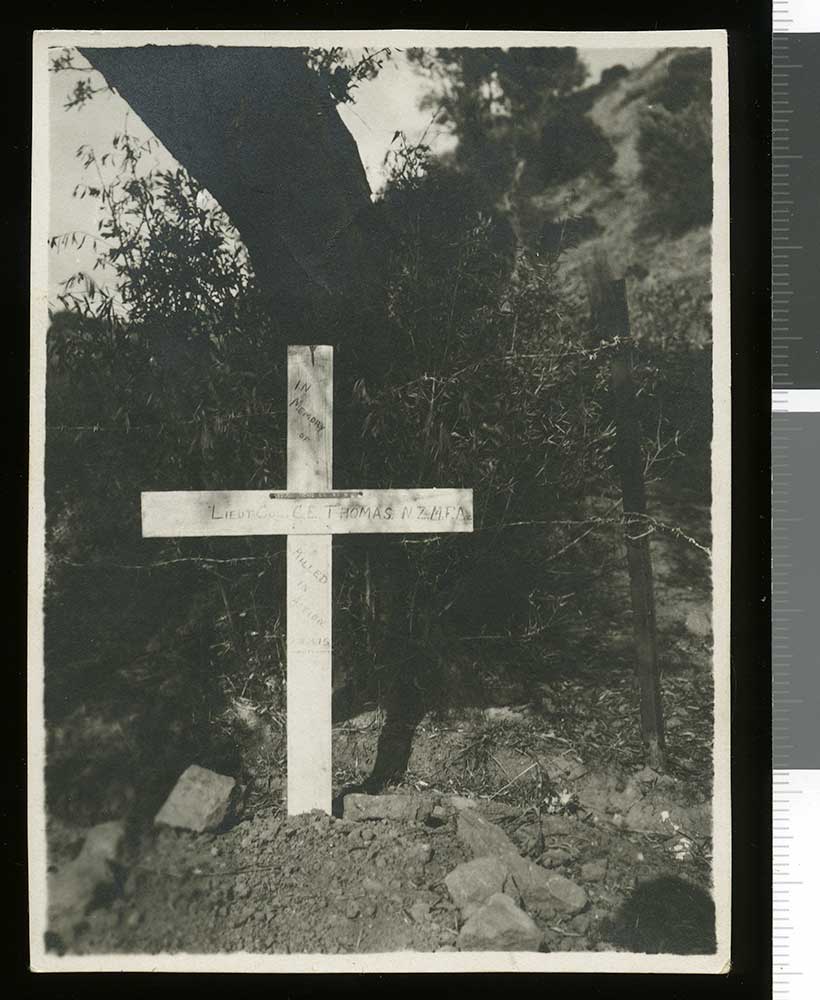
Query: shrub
(675, 148)
(676, 168)
(687, 81)
(483, 380)
(570, 145)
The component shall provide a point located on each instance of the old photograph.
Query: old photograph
(379, 502)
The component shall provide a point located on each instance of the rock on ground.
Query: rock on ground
(420, 911)
(402, 808)
(641, 802)
(200, 801)
(594, 871)
(540, 891)
(499, 925)
(472, 883)
(481, 836)
(698, 623)
(566, 895)
(459, 802)
(74, 889)
(545, 892)
(103, 843)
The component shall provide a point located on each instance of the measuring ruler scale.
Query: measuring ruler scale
(795, 455)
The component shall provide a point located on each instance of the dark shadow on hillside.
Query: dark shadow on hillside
(666, 915)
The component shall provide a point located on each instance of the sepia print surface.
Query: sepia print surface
(463, 298)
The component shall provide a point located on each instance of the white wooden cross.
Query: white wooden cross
(309, 512)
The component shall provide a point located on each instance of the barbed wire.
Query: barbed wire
(162, 425)
(589, 525)
(591, 354)
(102, 564)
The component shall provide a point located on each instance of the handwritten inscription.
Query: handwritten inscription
(309, 644)
(297, 403)
(343, 512)
(301, 596)
(258, 512)
(308, 614)
(308, 566)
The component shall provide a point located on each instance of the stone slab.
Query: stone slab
(402, 808)
(200, 801)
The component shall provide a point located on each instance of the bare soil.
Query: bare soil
(558, 763)
(320, 884)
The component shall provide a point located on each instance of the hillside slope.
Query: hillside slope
(668, 276)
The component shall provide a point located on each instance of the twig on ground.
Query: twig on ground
(509, 783)
(564, 932)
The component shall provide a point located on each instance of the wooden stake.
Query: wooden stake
(610, 318)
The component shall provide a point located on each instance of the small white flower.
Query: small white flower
(204, 200)
(681, 850)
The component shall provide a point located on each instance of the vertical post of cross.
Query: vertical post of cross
(309, 583)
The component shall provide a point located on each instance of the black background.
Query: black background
(749, 26)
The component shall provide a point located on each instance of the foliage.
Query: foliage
(342, 72)
(168, 374)
(570, 144)
(162, 374)
(488, 390)
(675, 146)
(686, 82)
(167, 381)
(497, 101)
(340, 69)
(85, 87)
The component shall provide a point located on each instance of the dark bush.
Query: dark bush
(675, 147)
(570, 145)
(612, 74)
(487, 382)
(676, 168)
(686, 82)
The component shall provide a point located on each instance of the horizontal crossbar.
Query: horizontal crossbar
(262, 512)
